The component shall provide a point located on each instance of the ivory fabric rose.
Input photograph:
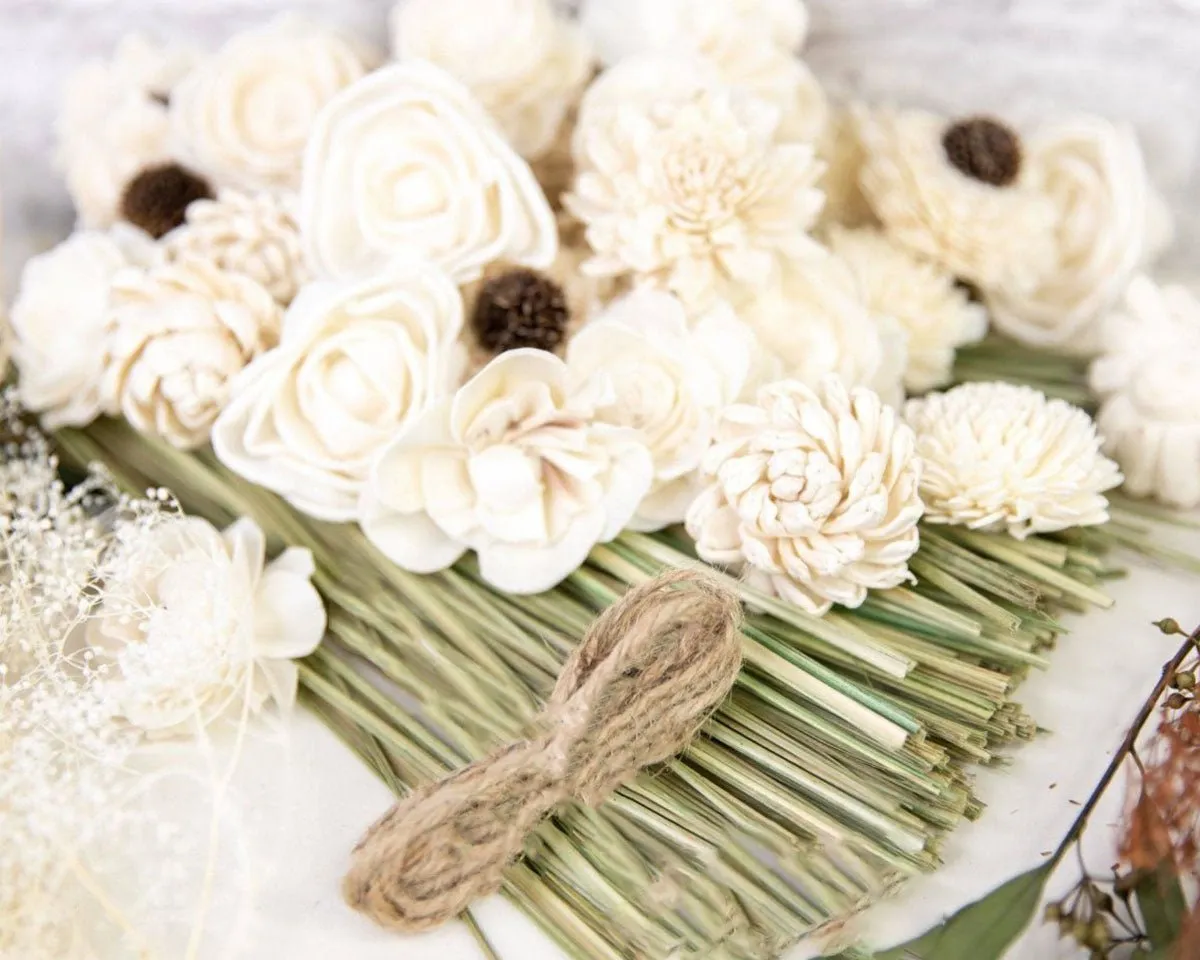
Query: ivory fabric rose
(648, 371)
(176, 335)
(359, 361)
(1146, 378)
(113, 122)
(812, 495)
(406, 161)
(815, 322)
(200, 628)
(245, 114)
(1093, 172)
(935, 313)
(999, 457)
(523, 61)
(58, 321)
(689, 190)
(512, 467)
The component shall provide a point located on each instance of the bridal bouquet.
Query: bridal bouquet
(538, 307)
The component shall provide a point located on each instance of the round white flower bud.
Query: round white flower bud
(812, 494)
(523, 61)
(1146, 377)
(1000, 457)
(176, 336)
(512, 467)
(359, 361)
(406, 162)
(244, 115)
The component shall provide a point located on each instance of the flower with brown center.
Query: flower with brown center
(158, 197)
(985, 149)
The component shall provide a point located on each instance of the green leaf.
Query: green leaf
(982, 930)
(1161, 902)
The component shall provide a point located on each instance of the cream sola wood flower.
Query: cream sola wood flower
(684, 184)
(406, 161)
(812, 494)
(176, 335)
(522, 60)
(359, 362)
(199, 627)
(244, 115)
(934, 311)
(647, 370)
(114, 122)
(513, 467)
(1000, 457)
(958, 193)
(1150, 402)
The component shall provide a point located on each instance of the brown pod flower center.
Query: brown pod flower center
(984, 149)
(520, 308)
(157, 198)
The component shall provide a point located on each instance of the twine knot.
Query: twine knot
(649, 672)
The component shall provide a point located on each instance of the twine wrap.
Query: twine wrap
(649, 672)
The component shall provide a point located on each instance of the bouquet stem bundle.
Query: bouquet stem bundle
(830, 776)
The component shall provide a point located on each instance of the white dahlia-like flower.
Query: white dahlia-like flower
(812, 494)
(1093, 172)
(114, 122)
(200, 627)
(1146, 378)
(176, 336)
(1000, 457)
(649, 370)
(521, 59)
(690, 191)
(958, 194)
(936, 313)
(255, 234)
(815, 321)
(513, 467)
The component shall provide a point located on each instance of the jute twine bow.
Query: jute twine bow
(649, 672)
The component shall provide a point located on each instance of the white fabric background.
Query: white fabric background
(1132, 59)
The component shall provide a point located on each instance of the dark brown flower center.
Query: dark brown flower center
(984, 149)
(520, 308)
(158, 197)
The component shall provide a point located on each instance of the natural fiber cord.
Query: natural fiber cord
(645, 678)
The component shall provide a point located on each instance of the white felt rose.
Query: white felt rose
(358, 362)
(513, 467)
(406, 161)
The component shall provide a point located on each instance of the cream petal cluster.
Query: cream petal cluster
(993, 236)
(751, 44)
(58, 321)
(200, 628)
(1146, 377)
(688, 187)
(255, 234)
(522, 60)
(999, 457)
(358, 363)
(935, 312)
(114, 122)
(816, 322)
(405, 161)
(245, 114)
(513, 467)
(812, 495)
(176, 335)
(1093, 172)
(651, 373)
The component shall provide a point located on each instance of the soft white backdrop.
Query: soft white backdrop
(1024, 59)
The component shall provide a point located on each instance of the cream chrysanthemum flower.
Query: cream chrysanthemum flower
(691, 192)
(935, 312)
(1146, 375)
(815, 322)
(255, 234)
(957, 193)
(812, 495)
(1000, 457)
